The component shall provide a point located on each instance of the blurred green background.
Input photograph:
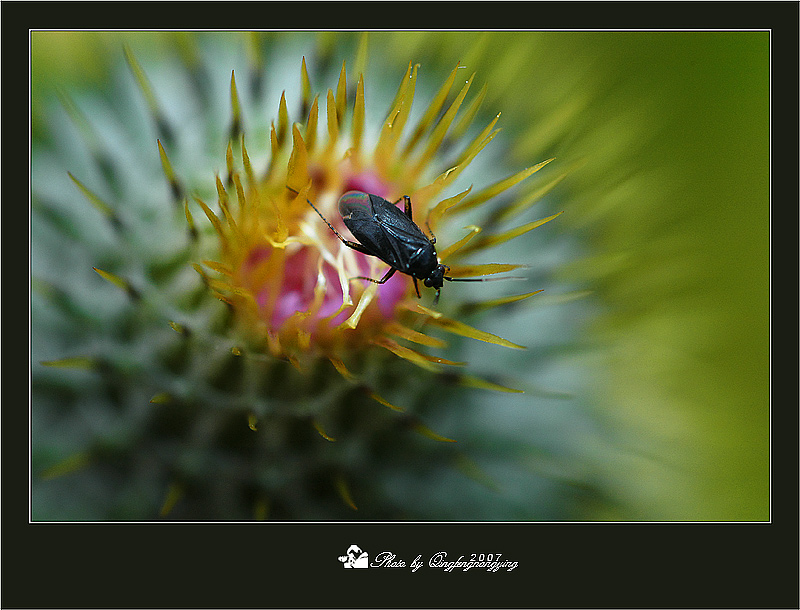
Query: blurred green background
(666, 139)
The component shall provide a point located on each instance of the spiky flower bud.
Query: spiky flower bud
(221, 352)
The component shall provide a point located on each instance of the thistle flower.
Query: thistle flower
(288, 276)
(239, 367)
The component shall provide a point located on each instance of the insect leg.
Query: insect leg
(407, 205)
(432, 238)
(389, 274)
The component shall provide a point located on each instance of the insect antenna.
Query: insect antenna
(483, 279)
(473, 279)
(332, 228)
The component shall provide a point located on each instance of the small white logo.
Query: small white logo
(355, 557)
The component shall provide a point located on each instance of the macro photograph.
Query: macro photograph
(426, 276)
(485, 309)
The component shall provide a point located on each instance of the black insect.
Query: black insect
(390, 234)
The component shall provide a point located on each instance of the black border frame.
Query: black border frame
(565, 565)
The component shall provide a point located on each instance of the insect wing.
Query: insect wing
(385, 231)
(413, 249)
(369, 233)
